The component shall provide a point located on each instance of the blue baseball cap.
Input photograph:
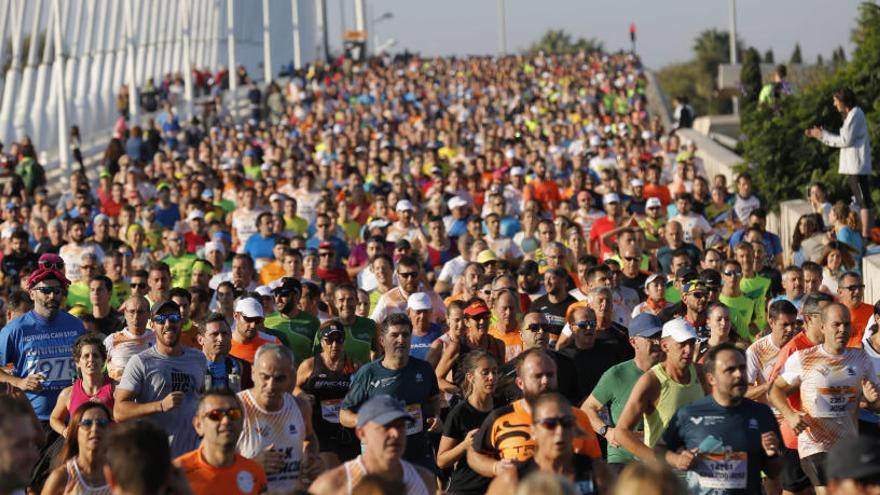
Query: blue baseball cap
(645, 325)
(221, 235)
(381, 409)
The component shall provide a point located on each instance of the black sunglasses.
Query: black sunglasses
(567, 422)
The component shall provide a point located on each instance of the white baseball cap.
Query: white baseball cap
(264, 290)
(610, 198)
(636, 183)
(214, 246)
(679, 329)
(277, 197)
(652, 202)
(456, 202)
(195, 214)
(249, 308)
(419, 301)
(517, 171)
(403, 205)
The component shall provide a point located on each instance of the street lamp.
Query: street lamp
(373, 38)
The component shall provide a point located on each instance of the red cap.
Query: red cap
(327, 245)
(41, 274)
(476, 308)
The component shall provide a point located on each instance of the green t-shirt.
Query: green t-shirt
(121, 292)
(297, 225)
(742, 310)
(78, 293)
(672, 295)
(297, 333)
(613, 391)
(360, 339)
(755, 288)
(181, 269)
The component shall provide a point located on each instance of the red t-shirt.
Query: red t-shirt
(600, 227)
(859, 316)
(545, 192)
(657, 191)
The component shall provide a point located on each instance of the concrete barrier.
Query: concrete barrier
(789, 214)
(716, 158)
(871, 276)
(657, 102)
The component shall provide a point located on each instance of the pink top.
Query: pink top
(78, 396)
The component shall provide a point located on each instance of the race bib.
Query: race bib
(52, 369)
(724, 471)
(330, 410)
(834, 402)
(415, 411)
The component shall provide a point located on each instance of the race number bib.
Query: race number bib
(52, 369)
(724, 471)
(834, 402)
(415, 411)
(330, 410)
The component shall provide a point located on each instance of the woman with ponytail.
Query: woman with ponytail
(480, 371)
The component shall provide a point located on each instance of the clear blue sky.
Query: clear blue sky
(666, 28)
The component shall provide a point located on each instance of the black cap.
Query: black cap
(288, 284)
(686, 273)
(528, 267)
(711, 278)
(163, 306)
(331, 328)
(854, 458)
(402, 244)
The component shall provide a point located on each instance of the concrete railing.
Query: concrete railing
(657, 102)
(789, 214)
(716, 158)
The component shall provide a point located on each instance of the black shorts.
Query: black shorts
(814, 466)
(861, 189)
(794, 479)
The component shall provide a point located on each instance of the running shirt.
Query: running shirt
(297, 333)
(742, 311)
(78, 396)
(755, 288)
(77, 485)
(830, 388)
(243, 477)
(181, 269)
(506, 433)
(329, 387)
(458, 423)
(673, 395)
(283, 429)
(394, 301)
(244, 222)
(355, 470)
(585, 479)
(798, 342)
(730, 455)
(121, 346)
(247, 350)
(761, 360)
(72, 255)
(421, 344)
(34, 344)
(612, 391)
(513, 344)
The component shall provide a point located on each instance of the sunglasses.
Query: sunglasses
(586, 324)
(88, 423)
(408, 274)
(160, 319)
(323, 225)
(479, 319)
(537, 327)
(138, 285)
(853, 288)
(631, 258)
(88, 267)
(732, 273)
(698, 295)
(255, 319)
(567, 422)
(325, 255)
(49, 290)
(52, 265)
(216, 415)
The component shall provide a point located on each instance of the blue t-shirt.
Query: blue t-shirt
(421, 344)
(34, 344)
(853, 238)
(167, 217)
(729, 440)
(258, 246)
(772, 244)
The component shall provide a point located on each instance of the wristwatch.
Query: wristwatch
(603, 430)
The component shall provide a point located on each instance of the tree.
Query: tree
(768, 57)
(796, 57)
(782, 160)
(750, 76)
(557, 41)
(820, 60)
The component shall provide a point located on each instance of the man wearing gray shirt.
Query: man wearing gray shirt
(163, 382)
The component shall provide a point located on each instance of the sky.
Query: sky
(666, 29)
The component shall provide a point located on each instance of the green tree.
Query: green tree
(769, 58)
(782, 159)
(796, 57)
(750, 76)
(557, 41)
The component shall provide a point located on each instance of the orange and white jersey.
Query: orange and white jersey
(121, 346)
(244, 221)
(284, 430)
(761, 358)
(830, 389)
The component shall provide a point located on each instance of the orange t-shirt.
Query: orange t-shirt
(859, 317)
(247, 350)
(244, 476)
(513, 344)
(657, 191)
(545, 192)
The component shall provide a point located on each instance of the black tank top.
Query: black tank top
(329, 388)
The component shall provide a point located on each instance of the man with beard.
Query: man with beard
(616, 384)
(295, 328)
(505, 437)
(179, 262)
(554, 304)
(163, 382)
(724, 440)
(692, 308)
(248, 334)
(361, 344)
(215, 467)
(590, 356)
(76, 247)
(409, 379)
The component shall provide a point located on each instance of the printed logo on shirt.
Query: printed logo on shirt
(383, 382)
(245, 481)
(291, 429)
(753, 424)
(419, 378)
(696, 419)
(181, 382)
(850, 371)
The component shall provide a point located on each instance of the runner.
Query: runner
(381, 427)
(616, 384)
(277, 431)
(829, 378)
(724, 440)
(215, 467)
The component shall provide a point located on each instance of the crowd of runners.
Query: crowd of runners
(467, 276)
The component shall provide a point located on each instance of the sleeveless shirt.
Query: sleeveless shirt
(355, 470)
(284, 429)
(672, 396)
(329, 388)
(78, 396)
(76, 485)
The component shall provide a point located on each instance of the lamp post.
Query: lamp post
(373, 38)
